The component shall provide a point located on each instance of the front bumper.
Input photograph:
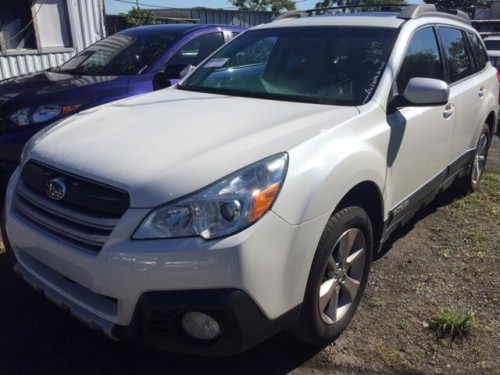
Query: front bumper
(157, 318)
(157, 321)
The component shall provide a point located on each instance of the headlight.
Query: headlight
(224, 208)
(34, 115)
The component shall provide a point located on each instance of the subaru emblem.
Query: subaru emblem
(55, 188)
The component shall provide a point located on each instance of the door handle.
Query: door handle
(481, 92)
(448, 110)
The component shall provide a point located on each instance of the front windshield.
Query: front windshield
(120, 54)
(326, 65)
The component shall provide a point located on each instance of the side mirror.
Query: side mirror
(422, 92)
(427, 92)
(161, 80)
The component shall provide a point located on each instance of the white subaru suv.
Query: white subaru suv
(252, 197)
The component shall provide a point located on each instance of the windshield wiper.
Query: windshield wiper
(255, 94)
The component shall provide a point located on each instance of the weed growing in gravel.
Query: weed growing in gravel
(444, 252)
(393, 357)
(452, 324)
(404, 325)
(460, 203)
(375, 302)
(438, 228)
(475, 236)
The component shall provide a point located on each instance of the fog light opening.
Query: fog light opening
(200, 326)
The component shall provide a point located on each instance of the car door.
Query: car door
(468, 87)
(421, 137)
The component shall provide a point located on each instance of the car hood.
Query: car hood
(49, 85)
(166, 144)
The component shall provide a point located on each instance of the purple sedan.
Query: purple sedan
(130, 62)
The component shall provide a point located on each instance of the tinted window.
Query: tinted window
(120, 54)
(457, 54)
(197, 49)
(326, 65)
(422, 59)
(480, 56)
(255, 53)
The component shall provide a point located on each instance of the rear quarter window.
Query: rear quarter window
(479, 53)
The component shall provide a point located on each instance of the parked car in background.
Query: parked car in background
(492, 44)
(130, 62)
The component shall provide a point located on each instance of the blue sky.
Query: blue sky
(116, 6)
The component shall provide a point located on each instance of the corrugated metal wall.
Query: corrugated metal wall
(87, 27)
(226, 17)
(231, 17)
(15, 65)
(115, 23)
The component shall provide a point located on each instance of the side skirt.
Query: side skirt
(405, 210)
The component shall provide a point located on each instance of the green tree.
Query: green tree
(262, 5)
(139, 16)
(466, 5)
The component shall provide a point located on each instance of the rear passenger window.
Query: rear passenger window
(457, 54)
(478, 51)
(422, 59)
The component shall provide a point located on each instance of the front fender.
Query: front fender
(316, 184)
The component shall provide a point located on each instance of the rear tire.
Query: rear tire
(338, 277)
(470, 182)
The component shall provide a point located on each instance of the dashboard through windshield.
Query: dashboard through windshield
(326, 65)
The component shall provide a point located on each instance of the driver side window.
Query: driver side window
(422, 59)
(192, 53)
(197, 49)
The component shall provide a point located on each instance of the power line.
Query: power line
(137, 3)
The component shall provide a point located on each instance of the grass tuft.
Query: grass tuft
(452, 324)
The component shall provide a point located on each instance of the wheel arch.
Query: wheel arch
(368, 196)
(491, 121)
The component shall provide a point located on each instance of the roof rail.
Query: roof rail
(427, 10)
(415, 11)
(396, 8)
(291, 14)
(356, 8)
(404, 11)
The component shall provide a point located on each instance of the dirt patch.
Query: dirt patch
(447, 258)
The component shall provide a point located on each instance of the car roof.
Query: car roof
(177, 29)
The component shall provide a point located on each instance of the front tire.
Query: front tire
(338, 277)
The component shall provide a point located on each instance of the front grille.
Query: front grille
(84, 217)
